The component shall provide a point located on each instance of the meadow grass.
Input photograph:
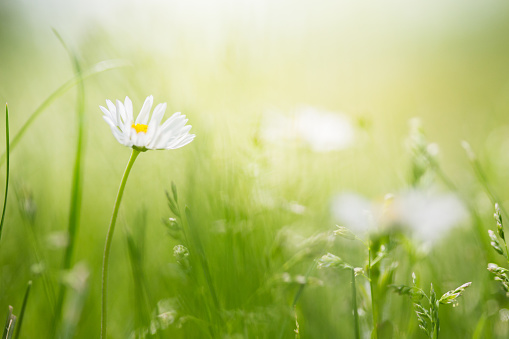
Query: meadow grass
(233, 235)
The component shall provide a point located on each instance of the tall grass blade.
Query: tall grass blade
(141, 299)
(10, 322)
(7, 152)
(76, 190)
(98, 68)
(23, 308)
(203, 261)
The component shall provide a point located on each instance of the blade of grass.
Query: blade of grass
(197, 244)
(7, 152)
(77, 282)
(142, 298)
(9, 324)
(297, 296)
(76, 190)
(99, 67)
(23, 307)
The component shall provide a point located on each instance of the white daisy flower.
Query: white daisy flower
(141, 134)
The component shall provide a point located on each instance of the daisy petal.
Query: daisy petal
(129, 109)
(145, 110)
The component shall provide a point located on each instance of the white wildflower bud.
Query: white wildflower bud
(180, 252)
(173, 223)
(500, 275)
(358, 271)
(330, 260)
(492, 267)
(495, 243)
(344, 233)
(504, 314)
(173, 228)
(451, 297)
(498, 219)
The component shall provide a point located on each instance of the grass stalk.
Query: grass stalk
(7, 152)
(76, 190)
(205, 267)
(98, 68)
(354, 306)
(374, 307)
(23, 308)
(10, 324)
(109, 237)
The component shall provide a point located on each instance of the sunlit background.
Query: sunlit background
(304, 115)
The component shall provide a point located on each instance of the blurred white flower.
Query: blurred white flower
(353, 211)
(429, 215)
(322, 131)
(426, 214)
(142, 134)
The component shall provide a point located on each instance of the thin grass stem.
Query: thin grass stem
(374, 307)
(95, 69)
(354, 306)
(7, 152)
(76, 190)
(23, 308)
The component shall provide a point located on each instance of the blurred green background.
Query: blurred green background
(261, 206)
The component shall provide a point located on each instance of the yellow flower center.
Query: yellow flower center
(140, 128)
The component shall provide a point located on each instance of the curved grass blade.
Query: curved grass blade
(76, 190)
(7, 152)
(23, 307)
(99, 67)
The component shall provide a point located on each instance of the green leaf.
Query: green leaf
(174, 190)
(172, 205)
(7, 152)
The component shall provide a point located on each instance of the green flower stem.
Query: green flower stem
(354, 306)
(109, 237)
(374, 306)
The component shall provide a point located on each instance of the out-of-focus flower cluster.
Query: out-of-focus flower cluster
(427, 214)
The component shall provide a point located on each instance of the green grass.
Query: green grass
(250, 217)
(7, 151)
